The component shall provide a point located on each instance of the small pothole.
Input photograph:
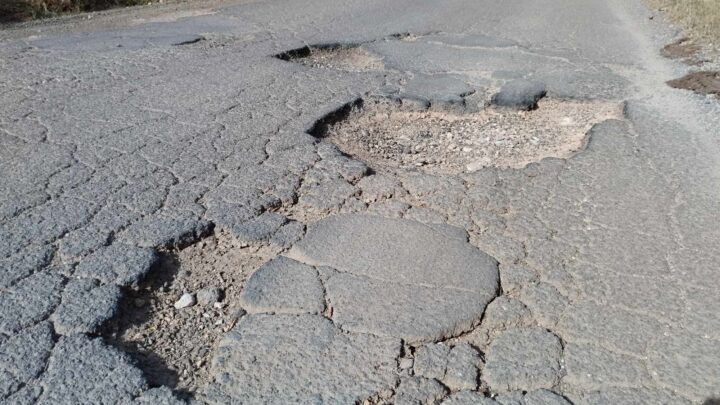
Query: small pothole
(387, 134)
(351, 58)
(190, 40)
(174, 346)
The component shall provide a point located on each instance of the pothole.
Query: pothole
(190, 40)
(387, 134)
(351, 58)
(174, 346)
(704, 82)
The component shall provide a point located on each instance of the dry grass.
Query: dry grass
(19, 10)
(701, 18)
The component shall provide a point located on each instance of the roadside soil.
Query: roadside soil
(700, 45)
(684, 49)
(703, 82)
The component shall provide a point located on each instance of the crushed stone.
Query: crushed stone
(383, 134)
(351, 59)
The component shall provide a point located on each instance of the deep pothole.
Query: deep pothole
(386, 133)
(347, 57)
(173, 346)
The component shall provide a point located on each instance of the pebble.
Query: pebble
(187, 300)
(208, 296)
(234, 317)
(474, 166)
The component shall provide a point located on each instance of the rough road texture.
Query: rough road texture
(120, 137)
(299, 359)
(401, 278)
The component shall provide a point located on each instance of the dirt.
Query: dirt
(683, 49)
(351, 59)
(174, 346)
(703, 82)
(384, 134)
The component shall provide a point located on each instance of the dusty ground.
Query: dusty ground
(175, 345)
(382, 133)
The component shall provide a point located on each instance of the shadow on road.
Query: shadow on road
(135, 310)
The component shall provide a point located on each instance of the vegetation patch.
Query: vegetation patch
(701, 18)
(20, 10)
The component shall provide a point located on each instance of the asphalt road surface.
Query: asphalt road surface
(588, 276)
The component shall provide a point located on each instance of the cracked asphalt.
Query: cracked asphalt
(134, 133)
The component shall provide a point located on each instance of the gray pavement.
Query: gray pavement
(587, 280)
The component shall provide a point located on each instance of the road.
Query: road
(204, 131)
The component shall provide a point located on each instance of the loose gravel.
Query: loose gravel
(384, 135)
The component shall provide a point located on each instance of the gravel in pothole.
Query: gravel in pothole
(351, 59)
(385, 134)
(170, 323)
